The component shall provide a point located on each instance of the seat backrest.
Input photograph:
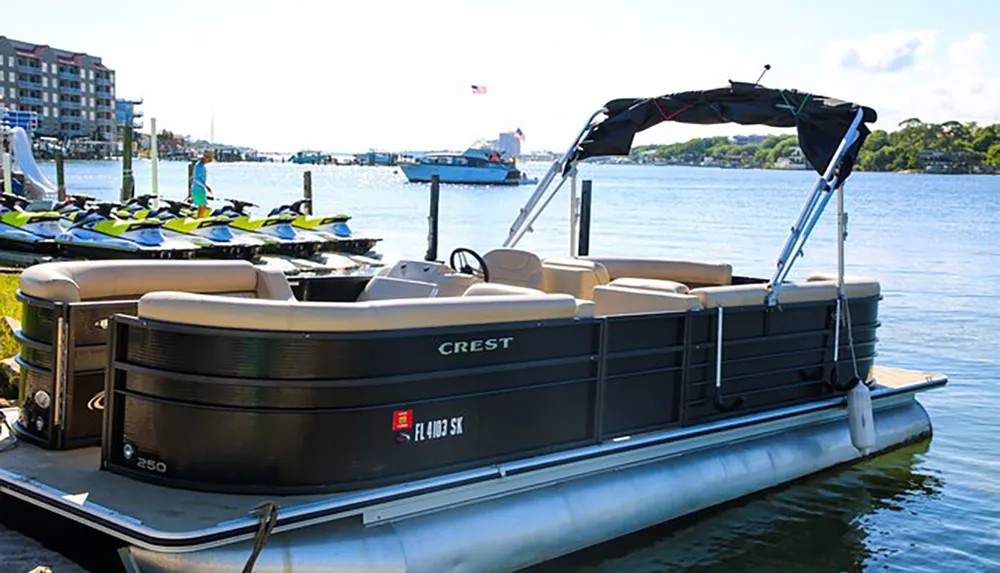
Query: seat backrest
(601, 275)
(388, 288)
(76, 281)
(270, 315)
(691, 273)
(514, 267)
(575, 280)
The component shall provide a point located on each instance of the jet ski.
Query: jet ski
(97, 231)
(333, 227)
(214, 233)
(282, 238)
(28, 231)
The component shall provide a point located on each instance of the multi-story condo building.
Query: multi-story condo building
(72, 93)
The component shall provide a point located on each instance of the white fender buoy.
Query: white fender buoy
(861, 419)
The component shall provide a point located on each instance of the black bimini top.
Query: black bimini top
(821, 121)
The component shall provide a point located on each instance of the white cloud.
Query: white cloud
(969, 52)
(885, 53)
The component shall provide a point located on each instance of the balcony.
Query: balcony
(103, 82)
(29, 70)
(102, 107)
(69, 104)
(72, 132)
(69, 90)
(105, 121)
(30, 100)
(26, 83)
(69, 76)
(101, 90)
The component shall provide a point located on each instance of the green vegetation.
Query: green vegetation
(949, 147)
(748, 152)
(946, 147)
(9, 306)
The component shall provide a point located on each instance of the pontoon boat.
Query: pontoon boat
(486, 414)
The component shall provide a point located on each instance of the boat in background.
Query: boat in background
(477, 165)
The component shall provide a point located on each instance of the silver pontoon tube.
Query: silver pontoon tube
(522, 224)
(813, 209)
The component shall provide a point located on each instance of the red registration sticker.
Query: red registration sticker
(402, 420)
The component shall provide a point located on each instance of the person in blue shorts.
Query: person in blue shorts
(199, 192)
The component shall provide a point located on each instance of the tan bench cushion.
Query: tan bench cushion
(688, 272)
(854, 286)
(731, 295)
(224, 312)
(272, 284)
(615, 299)
(756, 294)
(584, 308)
(574, 280)
(76, 281)
(514, 267)
(490, 289)
(651, 284)
(601, 273)
(387, 288)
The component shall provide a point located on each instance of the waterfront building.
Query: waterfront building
(71, 93)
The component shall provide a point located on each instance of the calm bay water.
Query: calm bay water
(931, 240)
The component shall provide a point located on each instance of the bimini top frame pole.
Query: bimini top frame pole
(822, 192)
(528, 214)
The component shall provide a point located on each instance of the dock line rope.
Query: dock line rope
(850, 339)
(267, 516)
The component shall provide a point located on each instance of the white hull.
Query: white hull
(420, 173)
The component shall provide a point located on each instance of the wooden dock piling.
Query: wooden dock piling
(432, 220)
(60, 177)
(307, 191)
(128, 183)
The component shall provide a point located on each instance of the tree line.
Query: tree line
(914, 146)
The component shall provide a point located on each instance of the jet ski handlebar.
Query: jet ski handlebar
(12, 201)
(295, 207)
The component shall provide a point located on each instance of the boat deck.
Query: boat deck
(71, 483)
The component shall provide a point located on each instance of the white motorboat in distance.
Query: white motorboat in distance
(474, 166)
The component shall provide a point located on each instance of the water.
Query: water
(931, 240)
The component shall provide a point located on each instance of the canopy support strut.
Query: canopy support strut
(528, 214)
(822, 192)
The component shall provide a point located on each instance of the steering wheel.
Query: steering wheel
(459, 260)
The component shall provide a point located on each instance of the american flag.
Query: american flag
(519, 135)
(478, 89)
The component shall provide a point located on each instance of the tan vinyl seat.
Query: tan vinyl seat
(790, 293)
(691, 273)
(651, 284)
(577, 277)
(490, 289)
(387, 288)
(616, 299)
(854, 286)
(584, 308)
(76, 281)
(226, 312)
(514, 267)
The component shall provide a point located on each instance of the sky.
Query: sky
(351, 76)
